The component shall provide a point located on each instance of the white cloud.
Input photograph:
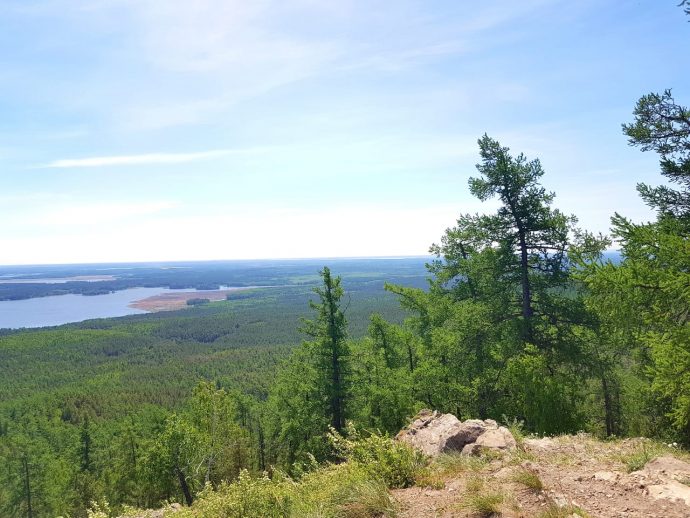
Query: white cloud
(145, 159)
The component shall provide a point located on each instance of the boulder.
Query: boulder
(663, 478)
(671, 490)
(435, 433)
(497, 439)
(667, 467)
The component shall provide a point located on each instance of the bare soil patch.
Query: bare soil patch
(579, 477)
(178, 299)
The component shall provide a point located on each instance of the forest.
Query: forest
(523, 318)
(206, 275)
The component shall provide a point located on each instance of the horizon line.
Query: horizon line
(173, 261)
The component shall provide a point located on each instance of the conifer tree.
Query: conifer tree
(328, 331)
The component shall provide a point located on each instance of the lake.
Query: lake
(65, 309)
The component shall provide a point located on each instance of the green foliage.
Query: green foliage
(346, 491)
(663, 126)
(642, 302)
(342, 491)
(198, 302)
(312, 391)
(504, 327)
(247, 497)
(638, 458)
(329, 348)
(125, 376)
(393, 462)
(215, 407)
(540, 392)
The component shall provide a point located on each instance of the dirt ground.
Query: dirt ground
(580, 477)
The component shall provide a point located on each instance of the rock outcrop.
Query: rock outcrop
(434, 433)
(665, 478)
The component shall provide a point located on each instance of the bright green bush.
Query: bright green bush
(247, 497)
(393, 462)
(343, 491)
(333, 491)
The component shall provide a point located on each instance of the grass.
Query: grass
(484, 504)
(528, 478)
(429, 478)
(456, 463)
(516, 427)
(479, 501)
(555, 511)
(449, 465)
(474, 484)
(519, 456)
(369, 499)
(637, 459)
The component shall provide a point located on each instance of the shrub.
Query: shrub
(333, 491)
(517, 428)
(197, 302)
(343, 491)
(247, 497)
(383, 458)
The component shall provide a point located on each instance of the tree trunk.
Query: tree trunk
(526, 290)
(336, 396)
(610, 406)
(262, 449)
(184, 486)
(337, 420)
(410, 356)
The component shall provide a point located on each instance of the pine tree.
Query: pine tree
(329, 332)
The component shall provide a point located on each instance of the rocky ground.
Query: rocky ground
(481, 469)
(567, 476)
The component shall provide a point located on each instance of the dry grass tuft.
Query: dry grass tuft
(484, 504)
(528, 478)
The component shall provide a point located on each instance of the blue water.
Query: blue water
(64, 309)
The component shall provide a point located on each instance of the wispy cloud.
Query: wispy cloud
(148, 158)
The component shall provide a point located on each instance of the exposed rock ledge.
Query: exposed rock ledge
(434, 433)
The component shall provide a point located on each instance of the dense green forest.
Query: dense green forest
(97, 380)
(207, 275)
(523, 318)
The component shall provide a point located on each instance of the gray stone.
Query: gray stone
(497, 439)
(435, 433)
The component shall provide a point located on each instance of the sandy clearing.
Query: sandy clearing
(178, 299)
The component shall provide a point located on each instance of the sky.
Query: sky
(153, 130)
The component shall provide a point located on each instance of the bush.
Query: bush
(333, 491)
(247, 497)
(383, 458)
(197, 302)
(343, 491)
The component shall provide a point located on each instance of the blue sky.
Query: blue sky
(220, 129)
